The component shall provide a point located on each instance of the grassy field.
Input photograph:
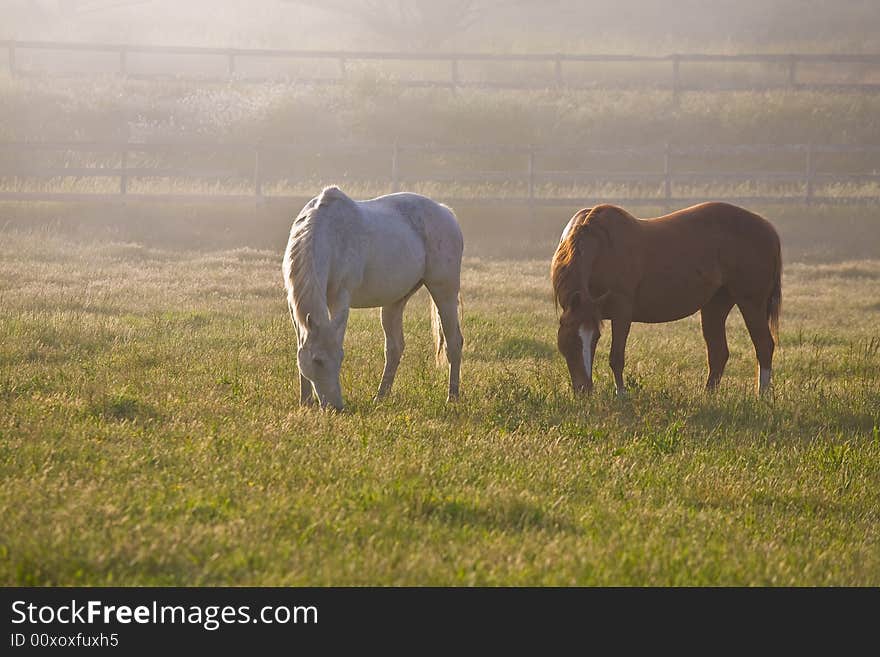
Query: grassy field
(150, 434)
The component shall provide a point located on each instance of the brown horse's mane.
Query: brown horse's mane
(565, 269)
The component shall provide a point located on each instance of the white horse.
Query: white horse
(363, 254)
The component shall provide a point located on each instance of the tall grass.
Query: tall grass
(149, 434)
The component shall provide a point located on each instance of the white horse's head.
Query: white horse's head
(320, 358)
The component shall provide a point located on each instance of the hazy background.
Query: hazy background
(556, 25)
(344, 132)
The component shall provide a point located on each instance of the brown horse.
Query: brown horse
(709, 257)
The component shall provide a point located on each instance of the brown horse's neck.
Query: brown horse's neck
(588, 251)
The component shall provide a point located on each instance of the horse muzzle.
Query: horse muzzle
(332, 401)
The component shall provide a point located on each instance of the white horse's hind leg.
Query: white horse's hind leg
(447, 307)
(392, 324)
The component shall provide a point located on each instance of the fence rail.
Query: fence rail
(555, 76)
(246, 180)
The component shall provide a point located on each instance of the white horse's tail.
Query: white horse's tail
(437, 330)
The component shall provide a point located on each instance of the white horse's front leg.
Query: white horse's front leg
(339, 308)
(306, 391)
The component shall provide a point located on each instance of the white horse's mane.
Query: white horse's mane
(306, 292)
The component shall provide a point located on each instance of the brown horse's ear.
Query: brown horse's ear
(309, 323)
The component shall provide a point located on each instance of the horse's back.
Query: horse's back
(744, 240)
(718, 226)
(688, 255)
(434, 222)
(422, 213)
(735, 244)
(407, 240)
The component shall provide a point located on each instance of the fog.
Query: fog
(557, 25)
(188, 141)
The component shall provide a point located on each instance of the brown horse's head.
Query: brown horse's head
(581, 320)
(580, 325)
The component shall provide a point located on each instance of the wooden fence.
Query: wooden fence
(661, 169)
(553, 75)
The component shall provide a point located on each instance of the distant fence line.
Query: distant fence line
(555, 77)
(529, 176)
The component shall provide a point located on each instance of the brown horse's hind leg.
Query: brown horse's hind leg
(755, 316)
(712, 318)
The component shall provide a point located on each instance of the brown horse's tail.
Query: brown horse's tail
(774, 303)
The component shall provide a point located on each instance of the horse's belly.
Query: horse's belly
(372, 296)
(673, 298)
(656, 315)
(391, 273)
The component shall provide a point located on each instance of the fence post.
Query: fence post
(531, 172)
(454, 73)
(667, 174)
(230, 63)
(343, 73)
(258, 175)
(810, 170)
(123, 62)
(676, 76)
(557, 66)
(12, 58)
(395, 172)
(123, 175)
(792, 71)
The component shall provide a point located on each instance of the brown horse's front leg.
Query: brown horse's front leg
(619, 334)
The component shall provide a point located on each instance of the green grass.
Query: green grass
(150, 434)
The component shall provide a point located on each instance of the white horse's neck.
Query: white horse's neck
(307, 279)
(318, 236)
